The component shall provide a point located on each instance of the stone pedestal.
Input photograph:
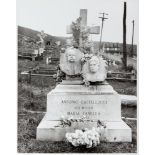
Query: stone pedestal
(74, 100)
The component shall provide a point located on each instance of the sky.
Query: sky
(53, 16)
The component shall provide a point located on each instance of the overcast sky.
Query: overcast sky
(53, 16)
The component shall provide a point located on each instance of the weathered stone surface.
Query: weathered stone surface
(114, 132)
(129, 100)
(69, 29)
(94, 70)
(83, 15)
(96, 99)
(70, 61)
(94, 30)
(77, 101)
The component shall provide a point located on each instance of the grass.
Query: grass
(27, 143)
(128, 88)
(118, 58)
(32, 97)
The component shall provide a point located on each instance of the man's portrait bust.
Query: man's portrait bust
(70, 62)
(94, 70)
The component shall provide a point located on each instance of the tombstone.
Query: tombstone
(58, 43)
(41, 43)
(71, 99)
(35, 52)
(41, 50)
(114, 63)
(47, 61)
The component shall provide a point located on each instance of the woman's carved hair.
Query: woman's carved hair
(94, 59)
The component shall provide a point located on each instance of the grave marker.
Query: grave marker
(73, 99)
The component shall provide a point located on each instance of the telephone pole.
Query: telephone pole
(103, 19)
(133, 22)
(124, 37)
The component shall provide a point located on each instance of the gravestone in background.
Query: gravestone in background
(41, 42)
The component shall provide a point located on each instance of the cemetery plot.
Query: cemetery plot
(82, 100)
(27, 123)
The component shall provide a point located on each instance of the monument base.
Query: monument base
(72, 100)
(117, 131)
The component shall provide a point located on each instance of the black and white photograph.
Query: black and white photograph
(77, 76)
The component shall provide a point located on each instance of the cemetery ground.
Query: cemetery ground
(32, 108)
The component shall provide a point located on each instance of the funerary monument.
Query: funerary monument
(84, 97)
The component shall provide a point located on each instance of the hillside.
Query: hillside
(27, 32)
(27, 41)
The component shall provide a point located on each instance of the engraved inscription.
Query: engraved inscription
(83, 107)
(84, 101)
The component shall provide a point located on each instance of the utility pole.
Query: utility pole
(124, 38)
(103, 18)
(133, 22)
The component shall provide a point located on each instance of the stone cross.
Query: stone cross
(83, 15)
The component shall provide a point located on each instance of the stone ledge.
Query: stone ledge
(81, 89)
(114, 131)
(129, 100)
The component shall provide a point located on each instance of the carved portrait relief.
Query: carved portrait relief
(70, 62)
(94, 70)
